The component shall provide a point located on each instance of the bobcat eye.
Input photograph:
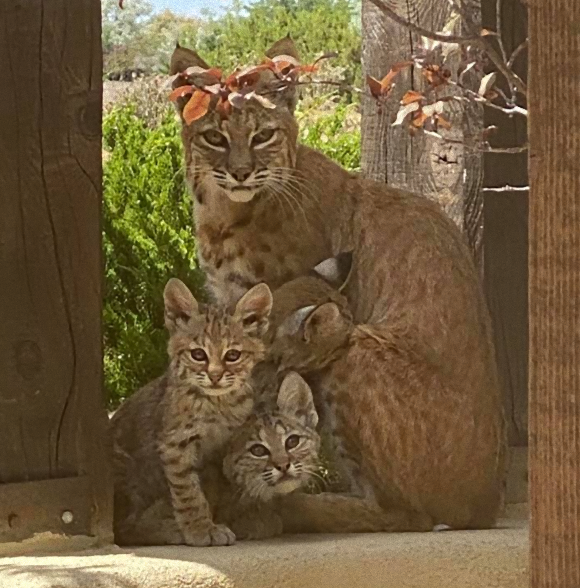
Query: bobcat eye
(198, 354)
(215, 138)
(259, 450)
(292, 441)
(263, 136)
(232, 355)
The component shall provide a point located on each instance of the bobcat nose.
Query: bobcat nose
(214, 378)
(283, 467)
(241, 174)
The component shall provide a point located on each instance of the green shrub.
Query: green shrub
(147, 224)
(147, 240)
(333, 129)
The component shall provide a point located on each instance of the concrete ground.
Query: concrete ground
(467, 559)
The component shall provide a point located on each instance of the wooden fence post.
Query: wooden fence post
(554, 297)
(53, 464)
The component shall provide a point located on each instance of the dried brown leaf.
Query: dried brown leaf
(404, 111)
(374, 86)
(197, 106)
(411, 96)
(486, 83)
(180, 92)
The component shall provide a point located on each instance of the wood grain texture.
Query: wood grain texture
(506, 232)
(554, 292)
(52, 414)
(446, 172)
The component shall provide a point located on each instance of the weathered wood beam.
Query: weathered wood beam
(554, 297)
(52, 415)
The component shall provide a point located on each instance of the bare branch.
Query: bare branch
(512, 150)
(442, 38)
(514, 80)
(508, 189)
(521, 47)
(498, 28)
(510, 110)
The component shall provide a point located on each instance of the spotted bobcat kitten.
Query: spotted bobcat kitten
(167, 432)
(273, 453)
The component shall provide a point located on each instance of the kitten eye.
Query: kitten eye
(292, 441)
(263, 136)
(198, 354)
(232, 355)
(215, 138)
(259, 450)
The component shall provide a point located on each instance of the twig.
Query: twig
(508, 189)
(499, 29)
(496, 59)
(509, 110)
(513, 150)
(521, 47)
(442, 38)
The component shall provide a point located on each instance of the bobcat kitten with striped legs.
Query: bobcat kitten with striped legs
(167, 432)
(272, 454)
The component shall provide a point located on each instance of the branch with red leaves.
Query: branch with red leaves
(424, 110)
(203, 85)
(481, 38)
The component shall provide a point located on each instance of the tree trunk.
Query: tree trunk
(446, 172)
(554, 295)
(53, 423)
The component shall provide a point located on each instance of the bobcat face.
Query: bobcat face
(215, 349)
(276, 451)
(253, 149)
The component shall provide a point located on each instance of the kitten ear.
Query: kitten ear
(295, 400)
(254, 308)
(291, 325)
(180, 305)
(324, 322)
(284, 46)
(182, 58)
(336, 270)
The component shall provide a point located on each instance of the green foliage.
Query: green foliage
(333, 129)
(148, 238)
(243, 34)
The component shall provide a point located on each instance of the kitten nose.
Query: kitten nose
(214, 378)
(241, 174)
(283, 467)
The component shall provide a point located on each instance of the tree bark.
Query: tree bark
(554, 296)
(53, 423)
(446, 172)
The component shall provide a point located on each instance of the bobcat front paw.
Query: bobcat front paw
(215, 535)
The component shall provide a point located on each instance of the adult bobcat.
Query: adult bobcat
(268, 210)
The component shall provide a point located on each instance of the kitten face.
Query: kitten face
(276, 452)
(215, 348)
(253, 149)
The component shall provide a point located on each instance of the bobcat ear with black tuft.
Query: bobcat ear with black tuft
(284, 46)
(254, 308)
(295, 400)
(291, 325)
(325, 322)
(182, 58)
(336, 270)
(180, 305)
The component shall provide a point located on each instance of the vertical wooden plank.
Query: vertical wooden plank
(52, 414)
(506, 232)
(554, 296)
(447, 172)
